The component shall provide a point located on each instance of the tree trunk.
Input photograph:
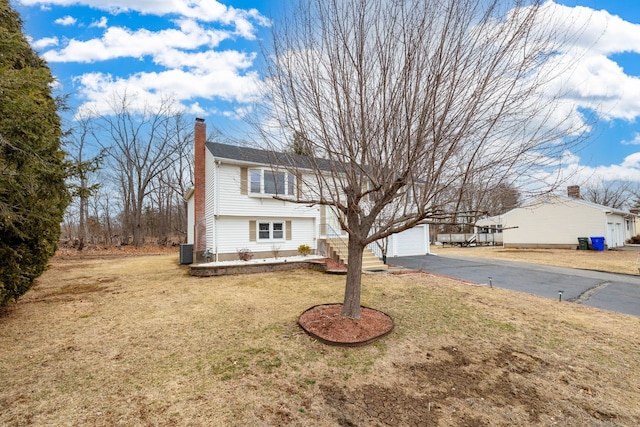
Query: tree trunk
(351, 306)
(83, 229)
(135, 226)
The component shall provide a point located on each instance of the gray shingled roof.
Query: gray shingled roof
(266, 157)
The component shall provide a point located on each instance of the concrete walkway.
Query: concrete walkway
(614, 292)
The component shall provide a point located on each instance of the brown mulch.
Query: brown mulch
(325, 323)
(333, 265)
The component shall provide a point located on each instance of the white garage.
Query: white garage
(414, 241)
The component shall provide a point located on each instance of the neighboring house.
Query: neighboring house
(554, 221)
(636, 212)
(232, 206)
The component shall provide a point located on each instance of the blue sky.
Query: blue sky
(205, 54)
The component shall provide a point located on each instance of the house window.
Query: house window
(291, 184)
(270, 230)
(264, 231)
(267, 181)
(255, 177)
(274, 182)
(278, 230)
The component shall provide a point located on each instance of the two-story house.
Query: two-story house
(243, 198)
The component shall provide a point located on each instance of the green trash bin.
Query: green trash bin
(583, 243)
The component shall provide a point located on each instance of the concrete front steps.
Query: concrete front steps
(370, 262)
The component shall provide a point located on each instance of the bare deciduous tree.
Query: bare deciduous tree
(142, 146)
(407, 102)
(147, 169)
(84, 162)
(615, 194)
(477, 199)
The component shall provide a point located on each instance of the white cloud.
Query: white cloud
(634, 141)
(203, 10)
(118, 42)
(238, 113)
(185, 86)
(186, 64)
(574, 172)
(66, 21)
(44, 43)
(632, 161)
(207, 61)
(195, 109)
(594, 30)
(102, 23)
(589, 78)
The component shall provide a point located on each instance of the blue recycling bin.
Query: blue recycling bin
(597, 243)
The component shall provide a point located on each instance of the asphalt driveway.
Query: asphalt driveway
(614, 292)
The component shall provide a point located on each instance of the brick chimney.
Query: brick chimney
(574, 191)
(200, 224)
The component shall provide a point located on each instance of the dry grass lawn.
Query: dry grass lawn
(136, 341)
(615, 261)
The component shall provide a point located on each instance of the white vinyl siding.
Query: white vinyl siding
(553, 223)
(210, 198)
(232, 202)
(190, 220)
(232, 217)
(236, 233)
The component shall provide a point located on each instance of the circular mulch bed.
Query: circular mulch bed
(326, 324)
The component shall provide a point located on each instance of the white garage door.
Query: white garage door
(411, 242)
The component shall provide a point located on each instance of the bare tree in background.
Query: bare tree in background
(615, 194)
(407, 102)
(85, 160)
(478, 200)
(142, 146)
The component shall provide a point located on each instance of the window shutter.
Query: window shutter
(299, 185)
(243, 181)
(252, 231)
(288, 227)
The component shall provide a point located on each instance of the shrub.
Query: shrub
(245, 254)
(635, 240)
(33, 192)
(304, 250)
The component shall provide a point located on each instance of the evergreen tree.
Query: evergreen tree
(33, 195)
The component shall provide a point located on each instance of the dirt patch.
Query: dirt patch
(326, 323)
(452, 387)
